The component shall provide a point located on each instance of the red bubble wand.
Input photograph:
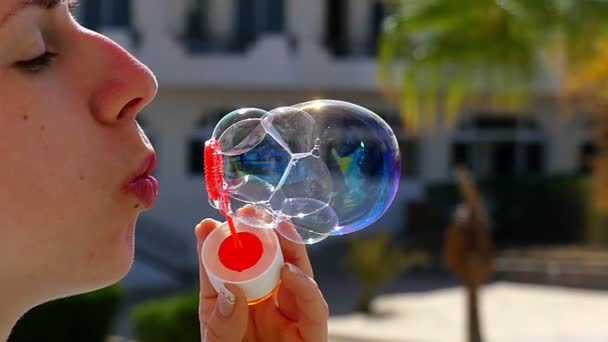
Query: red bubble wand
(214, 179)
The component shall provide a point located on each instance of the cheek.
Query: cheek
(49, 173)
(56, 197)
(60, 174)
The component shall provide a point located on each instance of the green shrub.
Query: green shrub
(375, 261)
(173, 319)
(87, 317)
(525, 210)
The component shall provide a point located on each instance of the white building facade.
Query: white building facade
(213, 56)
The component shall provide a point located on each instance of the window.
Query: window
(195, 156)
(196, 142)
(535, 158)
(499, 146)
(587, 155)
(271, 16)
(258, 16)
(410, 157)
(95, 14)
(251, 18)
(245, 23)
(336, 23)
(503, 158)
(378, 12)
(194, 149)
(196, 26)
(461, 155)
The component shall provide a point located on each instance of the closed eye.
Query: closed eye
(37, 64)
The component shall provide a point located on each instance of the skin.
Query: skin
(70, 142)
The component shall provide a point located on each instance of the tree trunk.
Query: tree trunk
(474, 327)
(365, 300)
(599, 224)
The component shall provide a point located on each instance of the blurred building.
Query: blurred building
(212, 56)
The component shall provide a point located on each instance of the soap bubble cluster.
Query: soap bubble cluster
(328, 167)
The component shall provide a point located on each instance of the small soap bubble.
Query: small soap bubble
(292, 128)
(236, 116)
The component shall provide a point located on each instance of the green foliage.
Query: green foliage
(484, 47)
(172, 319)
(375, 262)
(526, 210)
(87, 317)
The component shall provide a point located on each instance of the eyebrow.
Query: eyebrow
(44, 4)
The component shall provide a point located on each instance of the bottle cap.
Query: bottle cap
(254, 265)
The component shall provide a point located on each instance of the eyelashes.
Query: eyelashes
(42, 62)
(39, 63)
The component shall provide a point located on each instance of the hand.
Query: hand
(298, 312)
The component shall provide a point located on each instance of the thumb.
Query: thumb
(230, 316)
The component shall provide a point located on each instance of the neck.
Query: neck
(5, 328)
(9, 315)
(16, 301)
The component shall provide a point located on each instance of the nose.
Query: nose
(125, 85)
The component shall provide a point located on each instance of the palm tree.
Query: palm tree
(445, 53)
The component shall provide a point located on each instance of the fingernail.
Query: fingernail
(296, 270)
(225, 302)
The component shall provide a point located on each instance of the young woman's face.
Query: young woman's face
(70, 149)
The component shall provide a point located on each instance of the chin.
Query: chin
(103, 278)
(113, 264)
(114, 259)
(107, 275)
(122, 260)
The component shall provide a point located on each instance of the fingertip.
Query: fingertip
(307, 293)
(237, 298)
(295, 253)
(230, 317)
(238, 293)
(204, 227)
(295, 279)
(286, 277)
(247, 210)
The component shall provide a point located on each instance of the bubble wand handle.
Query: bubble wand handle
(214, 179)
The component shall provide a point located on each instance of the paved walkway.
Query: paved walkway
(511, 312)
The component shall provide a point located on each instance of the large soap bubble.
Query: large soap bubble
(327, 167)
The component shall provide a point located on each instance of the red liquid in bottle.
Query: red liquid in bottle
(239, 258)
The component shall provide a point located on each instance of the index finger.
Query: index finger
(294, 253)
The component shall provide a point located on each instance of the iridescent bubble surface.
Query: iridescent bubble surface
(362, 154)
(326, 167)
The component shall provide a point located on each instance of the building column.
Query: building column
(563, 140)
(121, 34)
(160, 22)
(306, 25)
(435, 155)
(305, 20)
(221, 19)
(358, 25)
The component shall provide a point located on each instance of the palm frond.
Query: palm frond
(478, 50)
